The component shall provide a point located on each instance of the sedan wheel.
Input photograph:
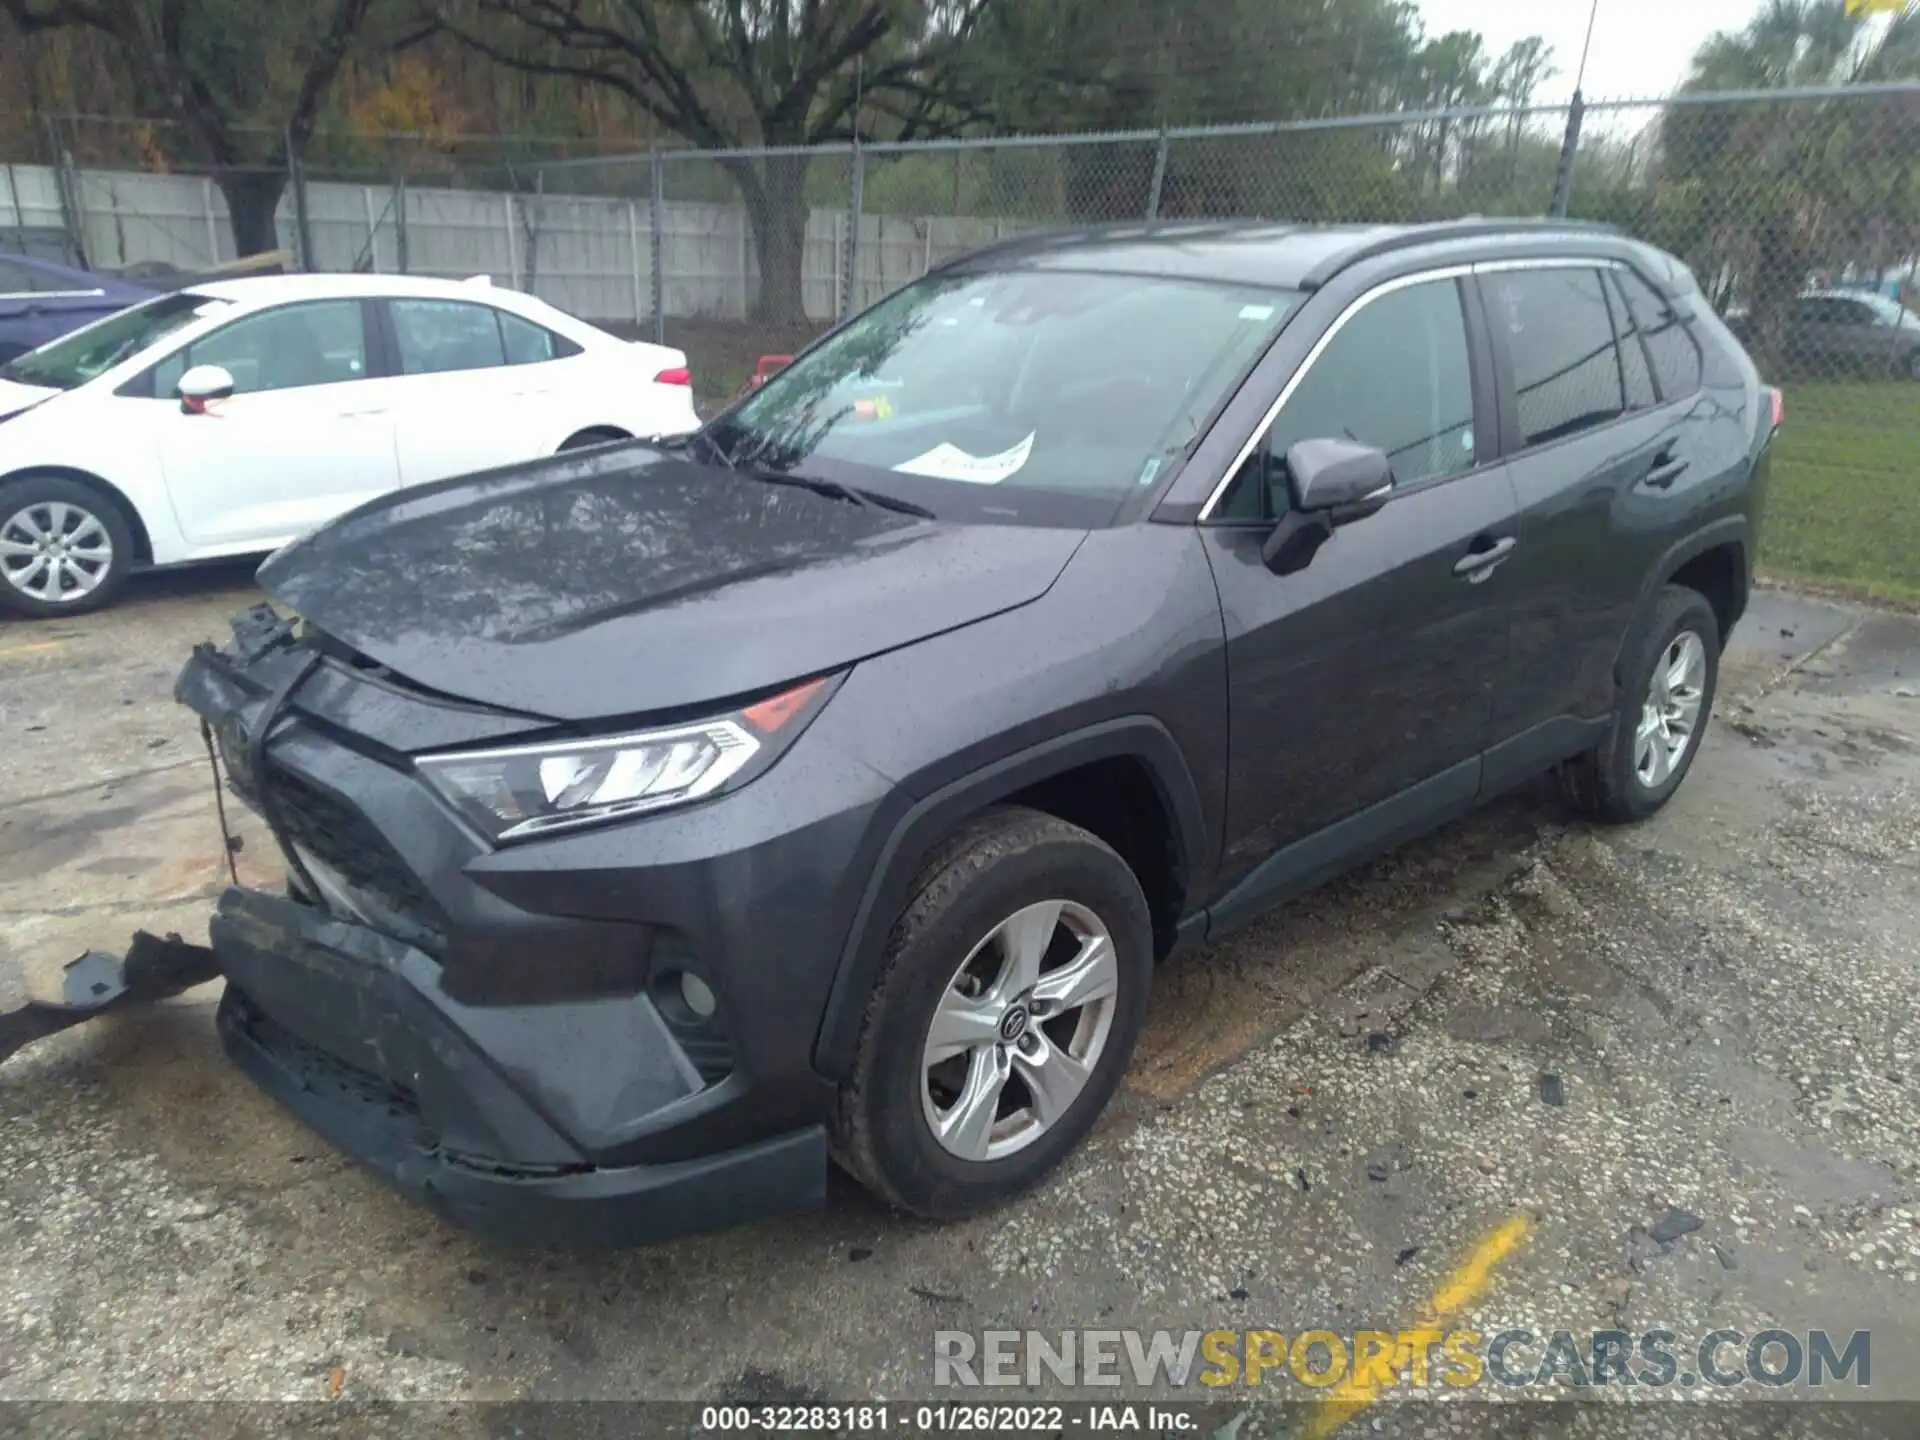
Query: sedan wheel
(1019, 1030)
(55, 552)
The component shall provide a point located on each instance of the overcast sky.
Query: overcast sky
(1641, 48)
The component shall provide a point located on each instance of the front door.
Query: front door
(1359, 686)
(306, 435)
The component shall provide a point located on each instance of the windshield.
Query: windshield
(1049, 383)
(74, 359)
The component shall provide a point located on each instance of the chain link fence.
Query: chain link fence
(1799, 211)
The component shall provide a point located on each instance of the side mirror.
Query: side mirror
(201, 386)
(1333, 482)
(1340, 476)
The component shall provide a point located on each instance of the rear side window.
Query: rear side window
(438, 336)
(1559, 338)
(1670, 344)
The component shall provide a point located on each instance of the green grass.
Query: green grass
(1843, 512)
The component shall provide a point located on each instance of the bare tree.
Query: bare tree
(727, 74)
(242, 82)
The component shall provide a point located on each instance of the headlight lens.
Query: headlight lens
(529, 790)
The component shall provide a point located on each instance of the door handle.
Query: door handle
(1479, 562)
(1666, 468)
(362, 414)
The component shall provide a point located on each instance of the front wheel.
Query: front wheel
(1013, 987)
(1666, 696)
(65, 549)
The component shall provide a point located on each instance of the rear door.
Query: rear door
(306, 435)
(1359, 686)
(1599, 380)
(461, 403)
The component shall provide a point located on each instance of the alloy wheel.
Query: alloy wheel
(55, 552)
(1670, 715)
(1019, 1030)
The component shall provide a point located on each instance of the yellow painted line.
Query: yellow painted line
(38, 647)
(1467, 1283)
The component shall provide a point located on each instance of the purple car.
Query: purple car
(40, 301)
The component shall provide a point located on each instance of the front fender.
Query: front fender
(926, 822)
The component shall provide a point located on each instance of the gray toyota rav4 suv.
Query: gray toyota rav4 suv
(665, 821)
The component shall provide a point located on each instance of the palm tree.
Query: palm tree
(1759, 195)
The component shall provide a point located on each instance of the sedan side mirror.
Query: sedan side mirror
(201, 386)
(1333, 482)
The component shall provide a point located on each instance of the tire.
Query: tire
(94, 555)
(1632, 773)
(587, 439)
(1010, 865)
(1912, 367)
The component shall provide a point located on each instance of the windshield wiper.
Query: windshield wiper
(687, 441)
(834, 490)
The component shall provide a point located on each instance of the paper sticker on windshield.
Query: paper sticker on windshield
(950, 462)
(1256, 312)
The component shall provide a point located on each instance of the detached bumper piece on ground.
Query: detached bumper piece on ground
(97, 984)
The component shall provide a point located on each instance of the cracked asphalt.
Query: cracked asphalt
(1682, 1054)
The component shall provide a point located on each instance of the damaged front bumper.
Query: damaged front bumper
(347, 1028)
(429, 1007)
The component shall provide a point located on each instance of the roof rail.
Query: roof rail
(1467, 228)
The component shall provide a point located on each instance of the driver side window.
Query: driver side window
(1396, 375)
(290, 347)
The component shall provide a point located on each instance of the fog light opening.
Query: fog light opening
(698, 995)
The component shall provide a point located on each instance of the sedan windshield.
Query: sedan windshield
(1069, 383)
(73, 360)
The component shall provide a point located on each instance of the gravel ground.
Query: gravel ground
(1594, 1038)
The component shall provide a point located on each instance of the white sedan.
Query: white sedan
(232, 417)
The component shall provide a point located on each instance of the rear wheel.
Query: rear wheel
(65, 548)
(1012, 991)
(1666, 697)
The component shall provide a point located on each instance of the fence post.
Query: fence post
(1569, 148)
(68, 186)
(513, 245)
(856, 200)
(1159, 177)
(19, 211)
(302, 227)
(373, 229)
(400, 221)
(657, 225)
(633, 254)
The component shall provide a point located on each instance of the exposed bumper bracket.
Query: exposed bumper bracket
(152, 969)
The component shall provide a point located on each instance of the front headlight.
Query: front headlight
(528, 790)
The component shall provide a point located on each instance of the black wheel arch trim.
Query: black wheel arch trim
(936, 815)
(1732, 530)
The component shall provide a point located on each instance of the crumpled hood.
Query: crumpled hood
(629, 582)
(15, 397)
